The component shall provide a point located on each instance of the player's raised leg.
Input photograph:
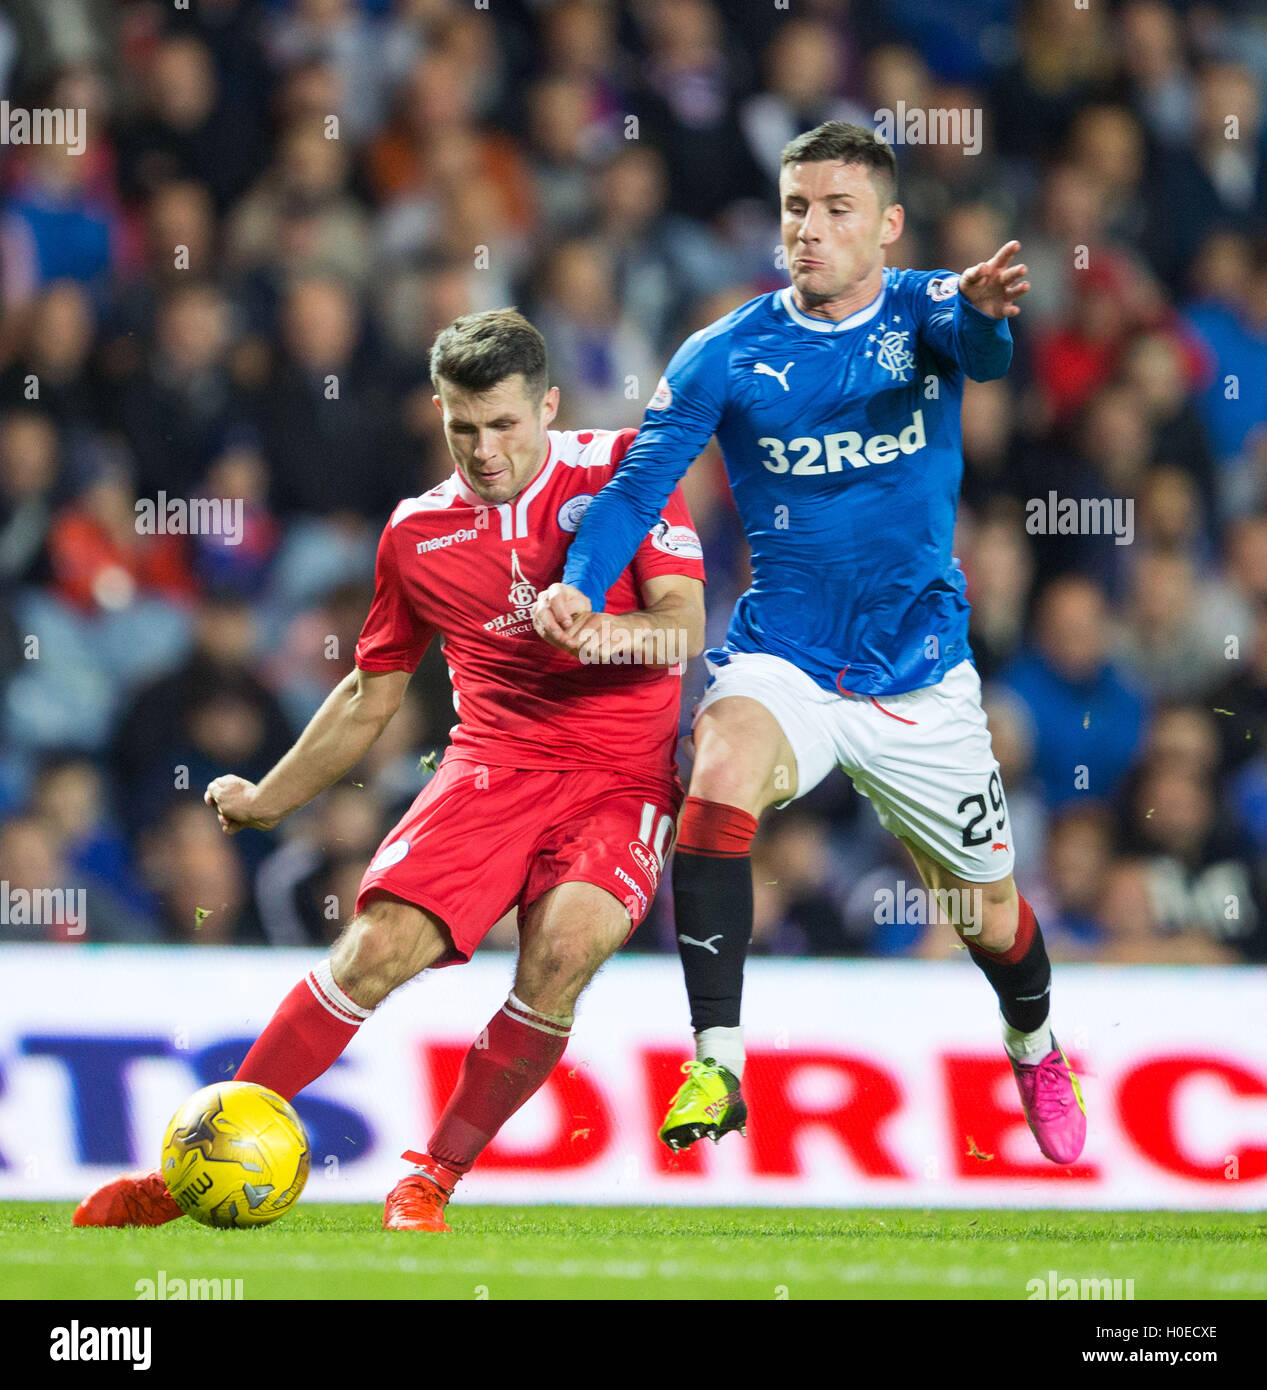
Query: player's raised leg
(1004, 939)
(383, 946)
(743, 763)
(386, 944)
(567, 934)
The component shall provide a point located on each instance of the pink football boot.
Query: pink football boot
(1052, 1100)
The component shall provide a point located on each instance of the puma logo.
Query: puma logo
(707, 945)
(761, 369)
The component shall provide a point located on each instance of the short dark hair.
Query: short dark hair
(479, 351)
(850, 144)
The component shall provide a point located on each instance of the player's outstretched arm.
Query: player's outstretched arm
(338, 736)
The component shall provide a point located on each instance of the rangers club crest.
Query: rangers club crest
(890, 350)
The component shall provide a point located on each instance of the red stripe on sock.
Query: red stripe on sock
(332, 1004)
(709, 827)
(535, 1020)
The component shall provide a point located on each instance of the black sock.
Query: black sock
(1023, 985)
(712, 906)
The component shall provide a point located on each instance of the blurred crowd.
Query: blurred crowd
(232, 291)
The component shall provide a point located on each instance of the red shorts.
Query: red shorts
(479, 840)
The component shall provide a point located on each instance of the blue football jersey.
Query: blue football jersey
(842, 446)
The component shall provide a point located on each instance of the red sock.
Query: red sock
(311, 1027)
(710, 827)
(521, 1050)
(1026, 926)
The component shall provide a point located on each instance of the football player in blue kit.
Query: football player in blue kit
(836, 403)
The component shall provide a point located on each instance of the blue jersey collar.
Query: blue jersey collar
(863, 315)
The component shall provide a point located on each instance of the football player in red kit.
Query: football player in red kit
(558, 793)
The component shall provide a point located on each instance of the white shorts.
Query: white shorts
(922, 759)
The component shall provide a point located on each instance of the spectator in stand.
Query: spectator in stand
(1243, 698)
(1107, 150)
(69, 795)
(566, 150)
(1075, 875)
(305, 889)
(210, 707)
(103, 561)
(54, 226)
(434, 114)
(579, 42)
(179, 404)
(299, 218)
(1217, 177)
(595, 347)
(200, 882)
(1197, 877)
(799, 892)
(317, 649)
(34, 869)
(188, 128)
(343, 34)
(1089, 723)
(239, 556)
(1155, 75)
(1000, 574)
(803, 65)
(663, 263)
(53, 372)
(326, 431)
(1065, 61)
(1012, 736)
(687, 105)
(1174, 642)
(1231, 321)
(30, 490)
(179, 245)
(994, 464)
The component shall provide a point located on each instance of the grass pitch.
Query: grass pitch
(339, 1252)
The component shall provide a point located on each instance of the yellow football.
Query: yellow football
(235, 1154)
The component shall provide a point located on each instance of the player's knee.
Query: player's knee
(376, 951)
(559, 956)
(557, 965)
(719, 775)
(741, 759)
(996, 917)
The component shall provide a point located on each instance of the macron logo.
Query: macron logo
(453, 538)
(763, 369)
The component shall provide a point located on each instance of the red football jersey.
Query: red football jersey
(452, 564)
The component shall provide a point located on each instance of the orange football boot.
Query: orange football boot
(135, 1199)
(417, 1202)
